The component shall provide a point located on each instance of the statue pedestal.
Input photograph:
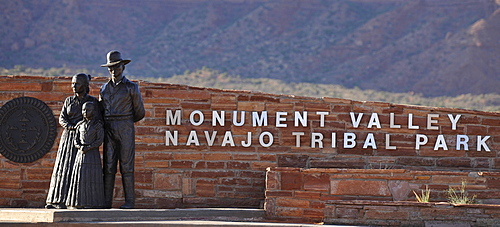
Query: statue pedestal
(31, 215)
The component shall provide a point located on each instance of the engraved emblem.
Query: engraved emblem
(27, 129)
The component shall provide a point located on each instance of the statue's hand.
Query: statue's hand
(84, 149)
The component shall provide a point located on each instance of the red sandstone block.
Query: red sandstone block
(316, 182)
(224, 106)
(307, 195)
(289, 212)
(38, 185)
(217, 156)
(262, 165)
(291, 160)
(188, 156)
(490, 121)
(349, 213)
(440, 179)
(386, 215)
(65, 86)
(251, 106)
(317, 204)
(148, 129)
(205, 188)
(168, 181)
(233, 181)
(360, 188)
(242, 131)
(10, 95)
(259, 182)
(279, 107)
(143, 176)
(38, 173)
(35, 196)
(223, 98)
(244, 97)
(158, 156)
(47, 96)
(255, 174)
(262, 98)
(182, 164)
(195, 106)
(212, 173)
(215, 165)
(454, 162)
(166, 103)
(420, 178)
(416, 161)
(314, 213)
(442, 212)
(270, 207)
(291, 181)
(10, 194)
(341, 108)
(21, 86)
(281, 194)
(476, 129)
(336, 100)
(493, 131)
(157, 164)
(246, 156)
(188, 187)
(151, 140)
(470, 119)
(237, 165)
(250, 191)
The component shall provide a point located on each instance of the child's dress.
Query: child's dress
(86, 189)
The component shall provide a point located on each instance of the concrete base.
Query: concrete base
(104, 215)
(202, 217)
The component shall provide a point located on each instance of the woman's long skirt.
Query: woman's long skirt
(63, 167)
(87, 188)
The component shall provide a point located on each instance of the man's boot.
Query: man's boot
(128, 188)
(109, 186)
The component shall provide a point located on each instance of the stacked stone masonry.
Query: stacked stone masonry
(380, 196)
(192, 163)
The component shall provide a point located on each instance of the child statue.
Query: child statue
(86, 188)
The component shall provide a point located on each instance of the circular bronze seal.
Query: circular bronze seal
(27, 129)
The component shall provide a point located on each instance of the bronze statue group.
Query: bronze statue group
(78, 179)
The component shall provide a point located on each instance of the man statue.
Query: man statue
(122, 105)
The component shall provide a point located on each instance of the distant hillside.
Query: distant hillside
(211, 78)
(429, 47)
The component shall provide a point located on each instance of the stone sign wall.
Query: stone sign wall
(378, 196)
(202, 147)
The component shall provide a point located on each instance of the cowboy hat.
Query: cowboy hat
(114, 57)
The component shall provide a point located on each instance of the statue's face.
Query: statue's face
(78, 84)
(116, 70)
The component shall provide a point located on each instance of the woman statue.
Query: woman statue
(86, 189)
(71, 114)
